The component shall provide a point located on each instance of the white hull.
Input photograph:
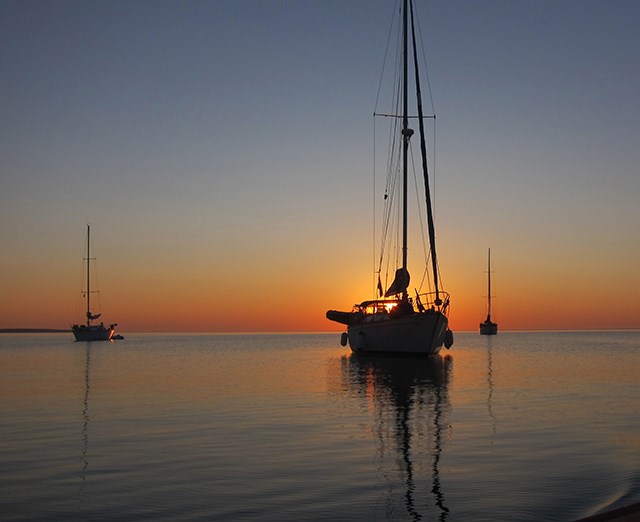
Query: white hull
(92, 333)
(415, 334)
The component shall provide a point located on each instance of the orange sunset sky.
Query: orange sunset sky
(222, 153)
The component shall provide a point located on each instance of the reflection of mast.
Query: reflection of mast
(85, 424)
(413, 392)
(435, 477)
(490, 384)
(404, 443)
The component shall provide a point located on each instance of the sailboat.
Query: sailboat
(396, 322)
(488, 327)
(90, 331)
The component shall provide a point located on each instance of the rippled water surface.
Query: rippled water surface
(521, 426)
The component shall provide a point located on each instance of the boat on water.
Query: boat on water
(90, 331)
(488, 327)
(397, 321)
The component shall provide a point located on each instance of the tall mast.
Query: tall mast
(406, 135)
(88, 278)
(489, 284)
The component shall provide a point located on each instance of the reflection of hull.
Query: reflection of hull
(410, 406)
(92, 333)
(402, 377)
(488, 328)
(422, 333)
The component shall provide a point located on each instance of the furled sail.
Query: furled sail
(400, 282)
(92, 317)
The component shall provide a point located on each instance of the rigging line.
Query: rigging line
(393, 125)
(391, 150)
(418, 206)
(433, 107)
(391, 227)
(424, 162)
(425, 252)
(391, 144)
(95, 277)
(386, 53)
(390, 182)
(426, 69)
(390, 234)
(392, 223)
(79, 307)
(392, 179)
(388, 209)
(433, 155)
(433, 167)
(396, 102)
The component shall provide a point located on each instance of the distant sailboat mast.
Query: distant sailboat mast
(489, 284)
(90, 316)
(89, 331)
(488, 327)
(88, 295)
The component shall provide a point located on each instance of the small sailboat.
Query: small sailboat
(396, 322)
(488, 327)
(91, 331)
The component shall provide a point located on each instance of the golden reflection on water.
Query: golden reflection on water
(160, 375)
(85, 426)
(292, 423)
(408, 401)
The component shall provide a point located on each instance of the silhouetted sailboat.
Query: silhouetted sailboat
(394, 322)
(90, 331)
(488, 327)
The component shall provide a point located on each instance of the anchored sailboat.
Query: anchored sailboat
(488, 327)
(90, 331)
(395, 322)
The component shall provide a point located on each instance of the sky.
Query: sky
(222, 152)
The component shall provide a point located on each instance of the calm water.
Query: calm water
(523, 426)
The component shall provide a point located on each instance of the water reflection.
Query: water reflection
(85, 424)
(409, 401)
(490, 385)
